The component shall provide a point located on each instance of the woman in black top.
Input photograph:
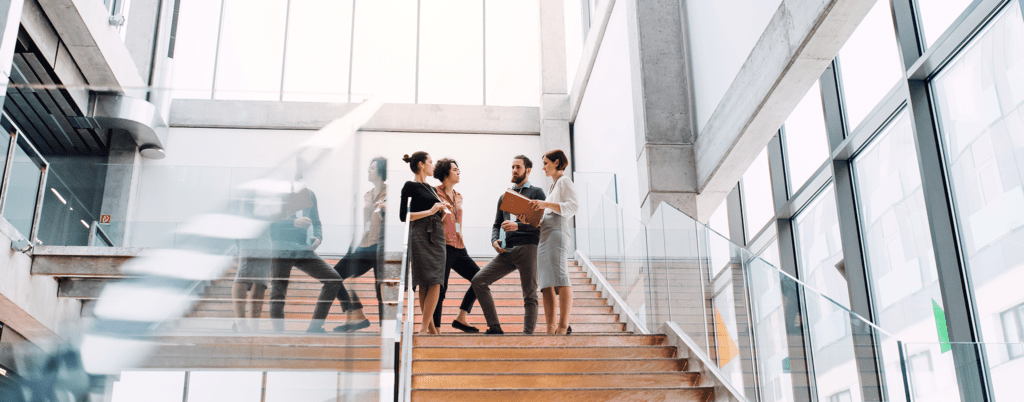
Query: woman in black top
(426, 236)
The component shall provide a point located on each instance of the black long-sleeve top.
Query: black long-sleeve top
(525, 234)
(423, 198)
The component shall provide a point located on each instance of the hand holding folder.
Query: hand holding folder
(515, 204)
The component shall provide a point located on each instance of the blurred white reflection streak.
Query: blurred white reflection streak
(165, 281)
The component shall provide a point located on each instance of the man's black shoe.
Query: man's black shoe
(495, 330)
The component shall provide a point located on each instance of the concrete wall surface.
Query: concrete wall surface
(28, 303)
(604, 131)
(721, 36)
(420, 118)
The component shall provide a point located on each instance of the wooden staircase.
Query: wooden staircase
(600, 361)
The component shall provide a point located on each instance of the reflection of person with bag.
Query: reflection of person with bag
(294, 238)
(369, 253)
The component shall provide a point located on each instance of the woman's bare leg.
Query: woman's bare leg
(549, 308)
(564, 307)
(428, 301)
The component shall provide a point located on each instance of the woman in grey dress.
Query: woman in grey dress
(426, 236)
(553, 251)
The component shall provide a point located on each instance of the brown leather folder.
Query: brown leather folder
(515, 204)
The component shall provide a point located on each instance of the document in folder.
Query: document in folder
(515, 204)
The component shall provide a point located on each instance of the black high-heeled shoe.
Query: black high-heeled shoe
(568, 330)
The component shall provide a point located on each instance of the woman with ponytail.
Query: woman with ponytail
(426, 236)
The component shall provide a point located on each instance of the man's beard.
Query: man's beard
(518, 179)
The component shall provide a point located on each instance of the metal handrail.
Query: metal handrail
(404, 385)
(97, 232)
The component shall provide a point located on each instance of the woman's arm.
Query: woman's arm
(554, 206)
(423, 214)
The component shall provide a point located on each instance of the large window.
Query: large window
(937, 15)
(758, 205)
(978, 99)
(820, 257)
(805, 138)
(870, 63)
(899, 256)
(467, 52)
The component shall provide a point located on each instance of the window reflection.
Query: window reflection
(899, 257)
(772, 349)
(978, 99)
(820, 257)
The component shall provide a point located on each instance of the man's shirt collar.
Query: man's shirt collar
(525, 185)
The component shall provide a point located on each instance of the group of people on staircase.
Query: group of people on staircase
(539, 253)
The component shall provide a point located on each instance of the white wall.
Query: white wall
(202, 164)
(604, 135)
(722, 34)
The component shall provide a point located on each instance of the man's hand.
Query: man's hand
(497, 246)
(509, 226)
(316, 243)
(381, 205)
(303, 222)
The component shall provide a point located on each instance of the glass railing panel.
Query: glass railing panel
(605, 183)
(686, 265)
(730, 340)
(156, 386)
(659, 299)
(770, 324)
(224, 386)
(23, 188)
(596, 223)
(929, 381)
(582, 218)
(844, 347)
(613, 230)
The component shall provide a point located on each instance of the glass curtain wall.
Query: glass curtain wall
(978, 99)
(899, 257)
(875, 121)
(466, 52)
(820, 263)
(805, 139)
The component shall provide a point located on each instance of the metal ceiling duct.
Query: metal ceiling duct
(136, 116)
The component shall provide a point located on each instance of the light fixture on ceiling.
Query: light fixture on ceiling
(84, 224)
(58, 196)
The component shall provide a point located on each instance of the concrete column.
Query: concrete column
(120, 187)
(662, 105)
(10, 20)
(554, 101)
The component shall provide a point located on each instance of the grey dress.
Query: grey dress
(426, 235)
(553, 250)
